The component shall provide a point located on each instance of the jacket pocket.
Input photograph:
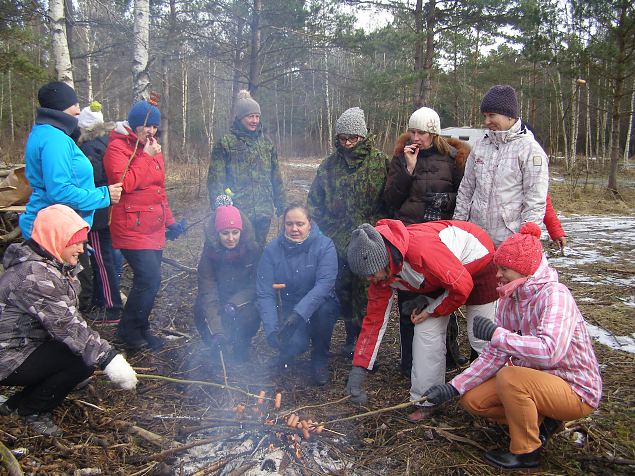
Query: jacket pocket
(145, 218)
(511, 216)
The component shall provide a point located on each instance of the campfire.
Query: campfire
(258, 437)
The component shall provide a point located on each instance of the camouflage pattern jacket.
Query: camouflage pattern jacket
(38, 303)
(348, 191)
(247, 163)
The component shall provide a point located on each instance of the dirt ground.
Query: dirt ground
(104, 426)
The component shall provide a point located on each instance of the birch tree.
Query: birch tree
(141, 43)
(61, 55)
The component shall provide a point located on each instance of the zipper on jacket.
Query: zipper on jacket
(138, 218)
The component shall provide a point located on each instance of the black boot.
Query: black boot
(453, 357)
(154, 342)
(506, 460)
(548, 428)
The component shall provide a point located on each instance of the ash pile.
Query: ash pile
(260, 438)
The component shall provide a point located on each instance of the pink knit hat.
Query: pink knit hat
(522, 251)
(227, 216)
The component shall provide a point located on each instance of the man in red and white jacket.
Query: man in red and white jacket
(449, 263)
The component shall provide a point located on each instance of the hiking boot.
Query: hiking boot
(113, 316)
(422, 414)
(548, 428)
(43, 424)
(154, 342)
(506, 460)
(131, 341)
(82, 385)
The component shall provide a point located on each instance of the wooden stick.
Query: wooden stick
(199, 382)
(376, 412)
(9, 460)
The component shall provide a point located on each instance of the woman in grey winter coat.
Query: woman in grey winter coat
(46, 347)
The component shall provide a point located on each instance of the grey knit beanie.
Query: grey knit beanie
(246, 105)
(351, 122)
(366, 252)
(501, 99)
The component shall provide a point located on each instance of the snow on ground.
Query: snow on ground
(600, 243)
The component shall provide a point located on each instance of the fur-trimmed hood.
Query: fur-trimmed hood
(98, 131)
(461, 149)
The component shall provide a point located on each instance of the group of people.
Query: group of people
(439, 226)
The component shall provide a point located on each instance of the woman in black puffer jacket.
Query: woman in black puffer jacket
(423, 180)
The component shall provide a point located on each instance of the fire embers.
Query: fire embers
(293, 421)
(262, 438)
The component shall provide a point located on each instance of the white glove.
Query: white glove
(120, 372)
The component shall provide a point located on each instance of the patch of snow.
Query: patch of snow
(624, 343)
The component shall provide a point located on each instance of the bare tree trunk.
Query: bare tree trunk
(141, 45)
(254, 57)
(10, 95)
(418, 66)
(184, 101)
(327, 101)
(61, 55)
(629, 130)
(575, 120)
(237, 64)
(618, 93)
(166, 127)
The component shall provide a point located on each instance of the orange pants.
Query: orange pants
(521, 397)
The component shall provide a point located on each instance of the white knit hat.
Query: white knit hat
(90, 116)
(426, 120)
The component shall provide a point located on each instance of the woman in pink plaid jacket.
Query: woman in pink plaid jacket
(539, 367)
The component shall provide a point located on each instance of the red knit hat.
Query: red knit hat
(78, 237)
(522, 251)
(227, 216)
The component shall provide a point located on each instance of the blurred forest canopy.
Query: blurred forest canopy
(572, 63)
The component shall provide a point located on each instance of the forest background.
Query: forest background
(572, 63)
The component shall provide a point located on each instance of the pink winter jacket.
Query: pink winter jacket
(540, 327)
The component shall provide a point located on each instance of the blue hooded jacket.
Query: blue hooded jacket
(308, 269)
(58, 171)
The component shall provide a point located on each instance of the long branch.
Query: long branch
(201, 382)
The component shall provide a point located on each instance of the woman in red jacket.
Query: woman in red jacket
(139, 221)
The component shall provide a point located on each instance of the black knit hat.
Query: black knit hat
(366, 252)
(57, 95)
(501, 99)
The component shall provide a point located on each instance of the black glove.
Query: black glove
(438, 394)
(175, 230)
(418, 303)
(483, 328)
(288, 326)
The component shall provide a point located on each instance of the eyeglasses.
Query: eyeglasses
(348, 139)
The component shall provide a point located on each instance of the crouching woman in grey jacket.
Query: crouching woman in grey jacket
(46, 347)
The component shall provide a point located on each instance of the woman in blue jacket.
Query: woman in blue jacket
(296, 291)
(57, 170)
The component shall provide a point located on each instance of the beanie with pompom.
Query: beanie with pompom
(90, 116)
(245, 105)
(522, 251)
